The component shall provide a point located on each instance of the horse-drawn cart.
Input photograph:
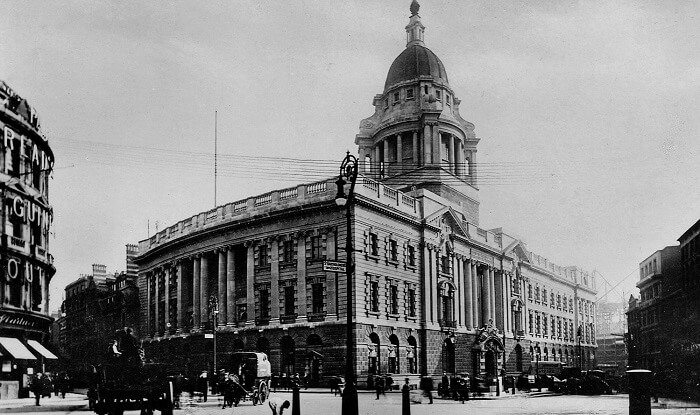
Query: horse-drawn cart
(250, 378)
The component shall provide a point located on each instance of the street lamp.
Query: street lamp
(348, 173)
(214, 309)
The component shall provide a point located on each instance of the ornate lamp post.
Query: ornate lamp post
(348, 174)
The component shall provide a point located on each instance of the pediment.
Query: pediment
(448, 221)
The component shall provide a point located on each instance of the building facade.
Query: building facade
(26, 162)
(433, 292)
(96, 306)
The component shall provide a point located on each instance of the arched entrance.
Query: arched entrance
(489, 346)
(518, 358)
(411, 353)
(287, 355)
(314, 360)
(373, 361)
(448, 356)
(393, 354)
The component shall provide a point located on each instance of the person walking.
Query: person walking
(36, 387)
(278, 405)
(379, 385)
(426, 384)
(204, 385)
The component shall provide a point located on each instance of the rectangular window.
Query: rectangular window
(289, 300)
(262, 256)
(264, 304)
(394, 299)
(544, 324)
(551, 300)
(373, 244)
(393, 250)
(537, 294)
(374, 296)
(397, 97)
(411, 250)
(288, 251)
(316, 247)
(449, 100)
(563, 303)
(558, 302)
(529, 292)
(411, 302)
(445, 264)
(438, 94)
(317, 298)
(409, 93)
(544, 296)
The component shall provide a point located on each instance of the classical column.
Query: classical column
(399, 154)
(427, 144)
(469, 318)
(451, 154)
(498, 310)
(301, 275)
(44, 290)
(415, 149)
(230, 288)
(196, 304)
(149, 301)
(157, 330)
(492, 286)
(331, 277)
(427, 316)
(434, 285)
(386, 157)
(204, 289)
(223, 316)
(250, 284)
(180, 303)
(472, 166)
(476, 294)
(376, 161)
(437, 156)
(275, 281)
(459, 158)
(459, 314)
(168, 276)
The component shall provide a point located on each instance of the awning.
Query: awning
(41, 349)
(16, 348)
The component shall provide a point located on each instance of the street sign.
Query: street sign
(208, 335)
(334, 266)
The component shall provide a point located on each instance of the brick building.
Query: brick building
(433, 292)
(95, 306)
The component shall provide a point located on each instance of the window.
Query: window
(262, 256)
(563, 305)
(426, 89)
(316, 247)
(537, 293)
(394, 299)
(288, 251)
(411, 251)
(317, 298)
(538, 323)
(17, 226)
(373, 244)
(386, 103)
(544, 296)
(529, 292)
(289, 300)
(571, 305)
(374, 296)
(409, 93)
(529, 323)
(558, 302)
(393, 250)
(397, 97)
(264, 304)
(449, 100)
(544, 324)
(411, 302)
(438, 94)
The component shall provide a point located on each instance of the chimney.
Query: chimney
(99, 271)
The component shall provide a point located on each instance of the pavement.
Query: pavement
(72, 402)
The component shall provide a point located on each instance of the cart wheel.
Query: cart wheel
(264, 392)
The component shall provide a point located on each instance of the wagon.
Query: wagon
(148, 389)
(253, 372)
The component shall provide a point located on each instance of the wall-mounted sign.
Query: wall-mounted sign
(334, 266)
(29, 211)
(39, 157)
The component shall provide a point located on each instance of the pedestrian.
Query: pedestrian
(64, 384)
(379, 385)
(203, 381)
(36, 387)
(426, 384)
(278, 405)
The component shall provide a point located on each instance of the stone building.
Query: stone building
(26, 161)
(433, 292)
(95, 307)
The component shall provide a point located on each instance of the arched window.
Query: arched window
(393, 354)
(411, 355)
(373, 361)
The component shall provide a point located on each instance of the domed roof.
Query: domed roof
(415, 61)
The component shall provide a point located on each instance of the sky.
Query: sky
(586, 110)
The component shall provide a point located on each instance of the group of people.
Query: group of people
(43, 384)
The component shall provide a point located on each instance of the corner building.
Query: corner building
(26, 161)
(433, 292)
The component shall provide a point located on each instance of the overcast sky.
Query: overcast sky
(586, 110)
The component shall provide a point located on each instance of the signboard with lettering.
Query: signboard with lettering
(27, 321)
(334, 266)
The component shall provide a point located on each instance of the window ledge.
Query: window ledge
(373, 313)
(394, 315)
(370, 256)
(392, 262)
(411, 267)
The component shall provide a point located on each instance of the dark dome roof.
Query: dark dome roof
(415, 61)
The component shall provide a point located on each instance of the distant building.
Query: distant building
(612, 326)
(96, 305)
(664, 333)
(26, 161)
